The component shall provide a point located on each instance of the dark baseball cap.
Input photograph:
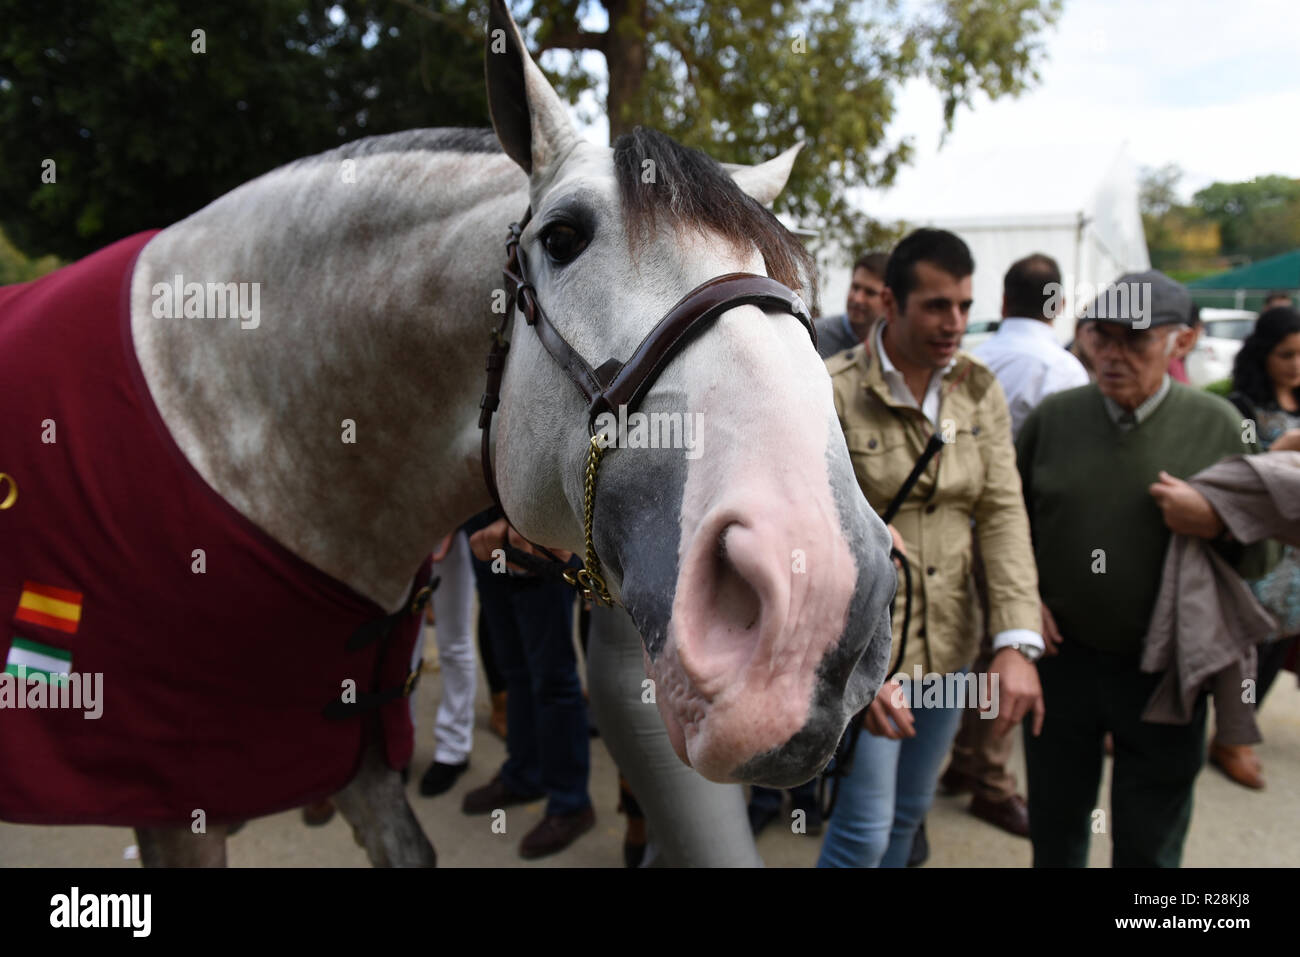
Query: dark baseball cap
(1141, 300)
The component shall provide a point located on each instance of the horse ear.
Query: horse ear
(765, 181)
(530, 121)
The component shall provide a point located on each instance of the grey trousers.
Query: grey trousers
(692, 822)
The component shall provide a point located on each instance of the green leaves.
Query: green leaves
(744, 80)
(144, 130)
(1242, 221)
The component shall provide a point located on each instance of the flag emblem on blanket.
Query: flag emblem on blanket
(49, 606)
(31, 659)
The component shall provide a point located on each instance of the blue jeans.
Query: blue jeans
(530, 625)
(888, 792)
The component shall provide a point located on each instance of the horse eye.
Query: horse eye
(563, 243)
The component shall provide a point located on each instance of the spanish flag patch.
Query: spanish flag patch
(49, 606)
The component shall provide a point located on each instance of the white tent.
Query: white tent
(1063, 201)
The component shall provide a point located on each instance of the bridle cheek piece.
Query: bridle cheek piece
(614, 383)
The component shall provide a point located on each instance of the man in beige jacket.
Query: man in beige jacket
(911, 383)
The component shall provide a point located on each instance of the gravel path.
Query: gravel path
(1231, 826)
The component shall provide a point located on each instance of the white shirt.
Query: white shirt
(930, 408)
(1030, 364)
(898, 385)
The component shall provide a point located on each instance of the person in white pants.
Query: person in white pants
(453, 609)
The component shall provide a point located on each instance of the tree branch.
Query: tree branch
(573, 38)
(456, 23)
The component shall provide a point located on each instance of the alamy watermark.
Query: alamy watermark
(75, 909)
(38, 689)
(208, 300)
(652, 430)
(953, 690)
(1129, 301)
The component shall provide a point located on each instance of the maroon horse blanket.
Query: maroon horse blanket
(217, 668)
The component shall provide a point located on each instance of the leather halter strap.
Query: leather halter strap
(615, 383)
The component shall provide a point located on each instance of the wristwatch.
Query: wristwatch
(1031, 652)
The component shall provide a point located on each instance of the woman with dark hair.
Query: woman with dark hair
(1266, 388)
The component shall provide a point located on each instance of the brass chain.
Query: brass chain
(588, 578)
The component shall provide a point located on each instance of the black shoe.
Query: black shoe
(440, 777)
(920, 848)
(761, 817)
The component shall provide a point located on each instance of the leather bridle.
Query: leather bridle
(614, 383)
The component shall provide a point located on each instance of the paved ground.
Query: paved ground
(1231, 825)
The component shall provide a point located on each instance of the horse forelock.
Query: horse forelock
(688, 189)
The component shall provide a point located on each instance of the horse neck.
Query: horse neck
(342, 418)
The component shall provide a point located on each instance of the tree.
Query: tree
(143, 130)
(744, 80)
(1257, 218)
(139, 120)
(1158, 190)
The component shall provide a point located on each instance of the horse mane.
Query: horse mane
(441, 140)
(690, 190)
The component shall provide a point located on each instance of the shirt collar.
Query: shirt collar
(887, 367)
(1128, 421)
(848, 327)
(1019, 326)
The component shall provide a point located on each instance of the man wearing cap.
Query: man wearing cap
(1102, 468)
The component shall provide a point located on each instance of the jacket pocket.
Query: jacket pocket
(961, 476)
(881, 460)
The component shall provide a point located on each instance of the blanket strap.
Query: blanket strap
(380, 629)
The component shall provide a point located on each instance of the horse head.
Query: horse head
(755, 571)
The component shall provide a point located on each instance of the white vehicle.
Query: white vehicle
(977, 331)
(1211, 359)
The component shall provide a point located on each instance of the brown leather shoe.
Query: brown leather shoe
(956, 782)
(1012, 815)
(494, 795)
(1238, 762)
(556, 832)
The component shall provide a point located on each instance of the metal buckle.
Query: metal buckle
(409, 684)
(421, 596)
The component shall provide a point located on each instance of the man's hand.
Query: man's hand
(1186, 511)
(1051, 634)
(440, 553)
(898, 543)
(488, 539)
(1018, 691)
(890, 704)
(1288, 441)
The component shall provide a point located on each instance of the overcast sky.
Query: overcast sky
(1211, 85)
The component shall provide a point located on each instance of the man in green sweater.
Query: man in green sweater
(1102, 468)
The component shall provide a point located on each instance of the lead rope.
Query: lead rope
(588, 578)
(842, 762)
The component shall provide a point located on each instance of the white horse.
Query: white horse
(752, 566)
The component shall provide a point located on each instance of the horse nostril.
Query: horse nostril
(739, 605)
